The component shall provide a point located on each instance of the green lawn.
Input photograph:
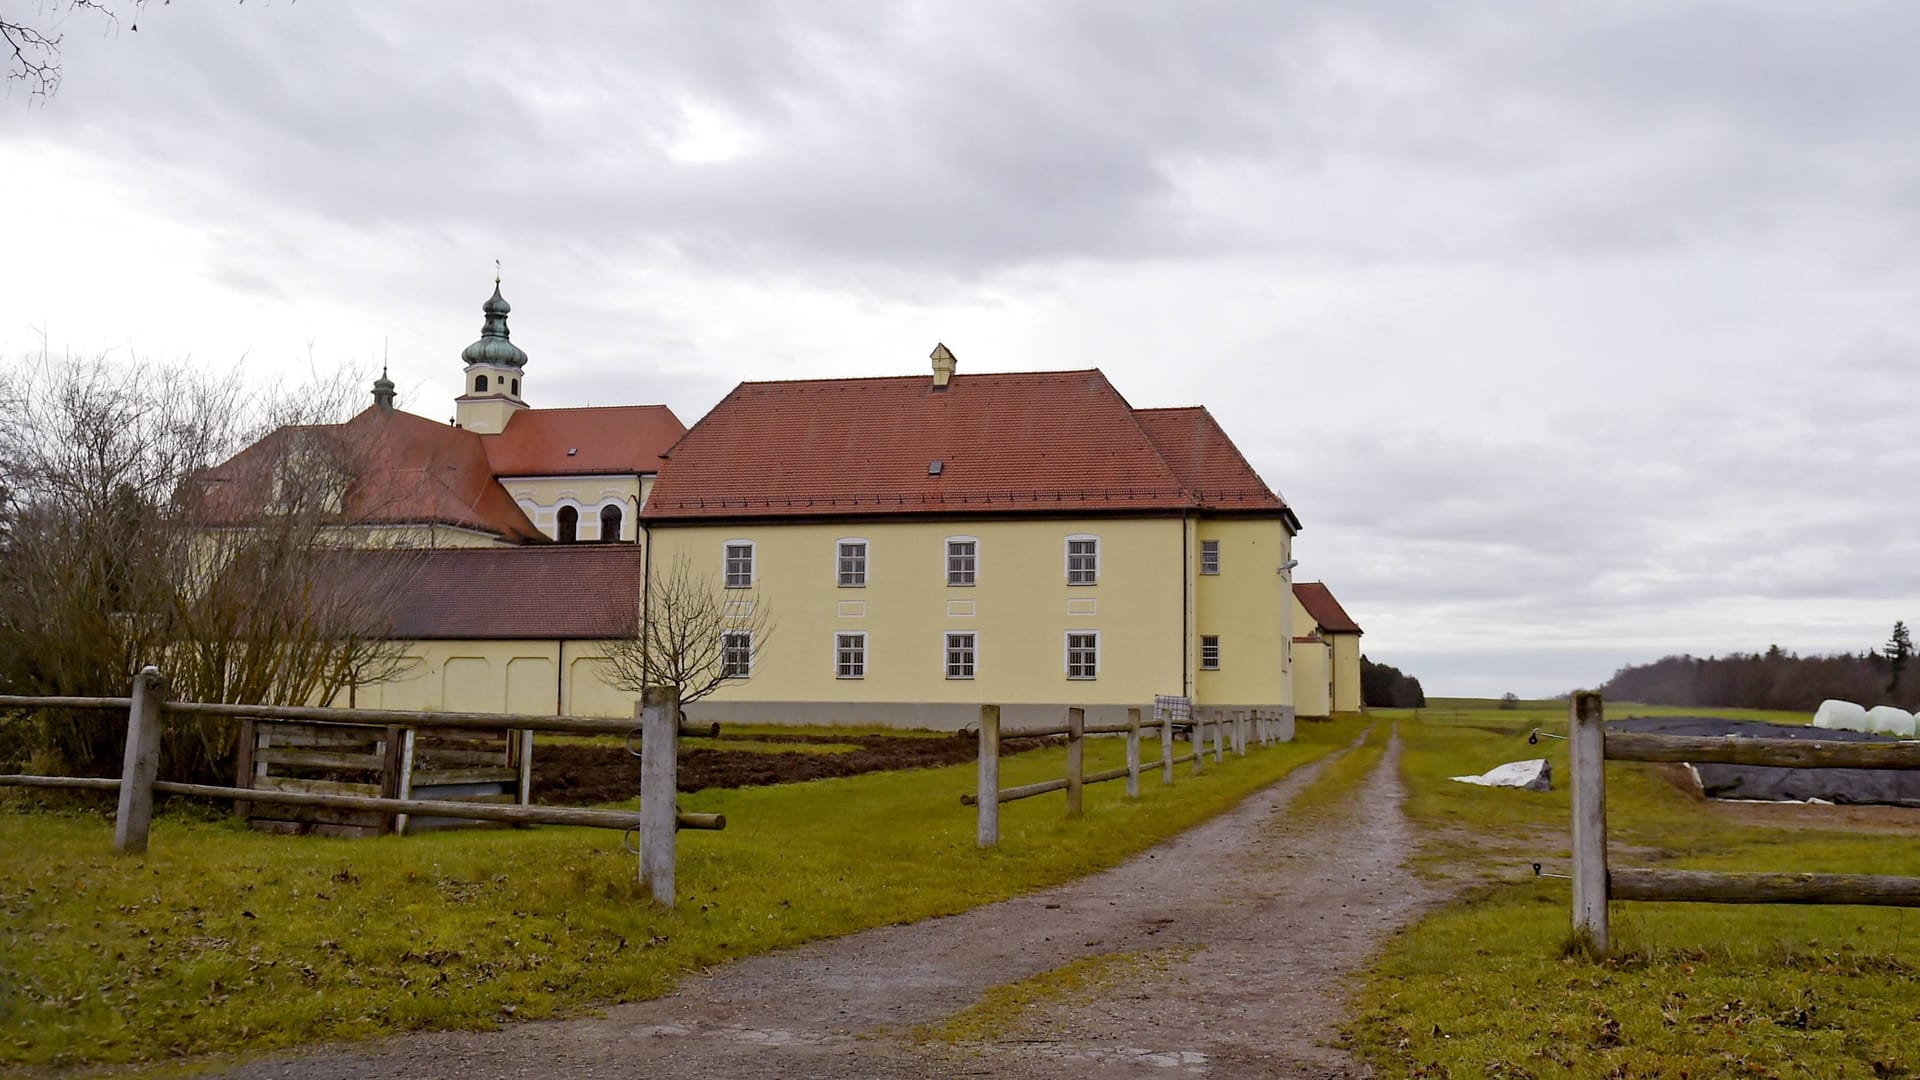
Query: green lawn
(221, 939)
(1482, 988)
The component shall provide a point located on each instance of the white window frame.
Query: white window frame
(866, 562)
(753, 563)
(1067, 642)
(946, 649)
(1083, 538)
(729, 670)
(946, 563)
(1204, 638)
(839, 637)
(1215, 545)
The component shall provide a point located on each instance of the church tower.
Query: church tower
(492, 391)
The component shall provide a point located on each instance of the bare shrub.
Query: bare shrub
(117, 551)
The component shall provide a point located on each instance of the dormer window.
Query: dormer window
(479, 384)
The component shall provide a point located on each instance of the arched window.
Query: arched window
(569, 519)
(516, 388)
(479, 384)
(609, 524)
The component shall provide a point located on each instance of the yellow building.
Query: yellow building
(498, 629)
(502, 474)
(919, 545)
(1326, 653)
(927, 544)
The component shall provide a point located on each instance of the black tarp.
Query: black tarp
(1851, 786)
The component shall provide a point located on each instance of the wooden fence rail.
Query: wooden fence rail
(1247, 725)
(658, 820)
(1590, 746)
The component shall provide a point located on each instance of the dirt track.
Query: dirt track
(1257, 916)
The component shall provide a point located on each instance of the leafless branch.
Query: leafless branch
(682, 639)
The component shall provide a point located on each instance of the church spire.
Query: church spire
(494, 370)
(383, 391)
(495, 345)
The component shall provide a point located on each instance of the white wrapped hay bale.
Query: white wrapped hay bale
(1887, 720)
(1840, 716)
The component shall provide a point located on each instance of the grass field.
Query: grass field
(1481, 988)
(221, 939)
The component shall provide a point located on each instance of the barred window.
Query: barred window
(963, 559)
(960, 656)
(740, 565)
(736, 654)
(850, 656)
(1209, 556)
(853, 564)
(1210, 652)
(1083, 560)
(1083, 655)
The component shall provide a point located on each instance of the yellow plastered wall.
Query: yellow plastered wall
(1247, 605)
(530, 678)
(1020, 608)
(541, 497)
(1346, 673)
(487, 415)
(1312, 678)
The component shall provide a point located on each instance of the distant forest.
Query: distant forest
(1385, 687)
(1775, 679)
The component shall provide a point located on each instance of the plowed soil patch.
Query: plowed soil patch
(575, 775)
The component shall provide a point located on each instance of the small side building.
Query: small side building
(1326, 653)
(503, 629)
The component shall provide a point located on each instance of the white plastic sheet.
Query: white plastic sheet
(1534, 775)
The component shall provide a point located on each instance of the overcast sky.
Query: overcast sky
(1576, 334)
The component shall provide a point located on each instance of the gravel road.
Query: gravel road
(1249, 924)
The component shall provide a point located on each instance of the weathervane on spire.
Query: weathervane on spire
(496, 272)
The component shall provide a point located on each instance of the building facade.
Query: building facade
(916, 546)
(1326, 653)
(927, 544)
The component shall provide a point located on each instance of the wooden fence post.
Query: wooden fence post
(142, 766)
(1166, 746)
(1133, 753)
(1586, 748)
(659, 781)
(1240, 732)
(1219, 740)
(1199, 732)
(392, 764)
(987, 833)
(1076, 744)
(243, 766)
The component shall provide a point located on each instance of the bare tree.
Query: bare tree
(693, 635)
(32, 49)
(116, 551)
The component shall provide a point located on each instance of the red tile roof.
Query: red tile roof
(561, 442)
(1004, 443)
(1319, 602)
(552, 591)
(1205, 460)
(405, 469)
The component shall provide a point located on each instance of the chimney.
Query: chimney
(943, 365)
